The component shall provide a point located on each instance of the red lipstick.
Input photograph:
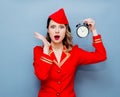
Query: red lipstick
(56, 37)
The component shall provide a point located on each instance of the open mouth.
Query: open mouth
(56, 37)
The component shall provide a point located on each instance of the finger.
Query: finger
(87, 21)
(36, 34)
(39, 36)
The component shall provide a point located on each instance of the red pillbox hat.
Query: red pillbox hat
(59, 17)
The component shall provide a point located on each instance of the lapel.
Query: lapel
(65, 55)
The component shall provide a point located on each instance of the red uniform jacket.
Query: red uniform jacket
(59, 81)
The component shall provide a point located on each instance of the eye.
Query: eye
(52, 26)
(61, 26)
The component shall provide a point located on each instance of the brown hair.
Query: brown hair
(67, 41)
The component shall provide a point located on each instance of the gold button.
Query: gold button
(59, 82)
(58, 94)
(58, 70)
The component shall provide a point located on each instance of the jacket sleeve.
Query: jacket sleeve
(42, 63)
(85, 57)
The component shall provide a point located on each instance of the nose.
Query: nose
(57, 30)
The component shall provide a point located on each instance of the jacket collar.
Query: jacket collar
(65, 55)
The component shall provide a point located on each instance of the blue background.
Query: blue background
(20, 18)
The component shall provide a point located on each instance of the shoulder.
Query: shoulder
(76, 48)
(37, 48)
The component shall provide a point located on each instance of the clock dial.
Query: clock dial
(82, 31)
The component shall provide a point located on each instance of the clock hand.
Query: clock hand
(81, 30)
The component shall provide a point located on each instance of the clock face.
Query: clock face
(82, 31)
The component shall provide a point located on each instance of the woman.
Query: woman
(56, 61)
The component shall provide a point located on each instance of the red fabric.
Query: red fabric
(59, 81)
(59, 17)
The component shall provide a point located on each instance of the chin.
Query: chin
(57, 41)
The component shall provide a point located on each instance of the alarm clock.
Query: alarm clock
(82, 30)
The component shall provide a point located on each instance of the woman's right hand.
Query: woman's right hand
(46, 44)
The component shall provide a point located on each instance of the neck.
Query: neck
(57, 46)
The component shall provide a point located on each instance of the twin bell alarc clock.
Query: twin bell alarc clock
(82, 30)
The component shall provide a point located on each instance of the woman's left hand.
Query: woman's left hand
(91, 25)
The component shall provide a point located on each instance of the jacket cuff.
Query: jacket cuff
(97, 39)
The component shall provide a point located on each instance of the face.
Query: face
(56, 32)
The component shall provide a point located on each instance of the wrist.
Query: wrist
(46, 50)
(94, 32)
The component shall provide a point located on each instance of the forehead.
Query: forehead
(54, 23)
